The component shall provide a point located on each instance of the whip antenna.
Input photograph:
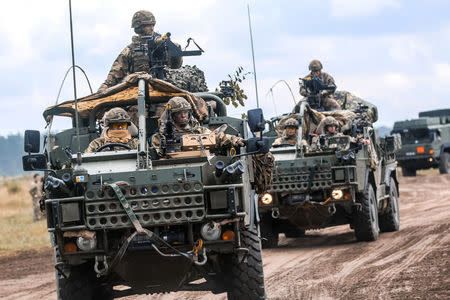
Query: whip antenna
(253, 55)
(74, 84)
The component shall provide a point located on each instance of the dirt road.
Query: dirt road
(413, 263)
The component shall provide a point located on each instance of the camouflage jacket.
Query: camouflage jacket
(285, 140)
(130, 61)
(327, 80)
(36, 190)
(98, 142)
(222, 139)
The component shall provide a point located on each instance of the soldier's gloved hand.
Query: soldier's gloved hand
(240, 142)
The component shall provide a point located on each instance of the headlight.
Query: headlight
(337, 194)
(86, 244)
(266, 198)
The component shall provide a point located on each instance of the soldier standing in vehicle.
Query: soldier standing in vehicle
(36, 195)
(290, 133)
(327, 100)
(117, 130)
(129, 60)
(179, 111)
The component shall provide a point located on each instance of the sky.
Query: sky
(393, 53)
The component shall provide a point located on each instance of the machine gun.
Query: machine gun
(160, 49)
(313, 86)
(360, 121)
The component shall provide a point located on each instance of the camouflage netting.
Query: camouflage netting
(351, 102)
(262, 167)
(189, 78)
(126, 93)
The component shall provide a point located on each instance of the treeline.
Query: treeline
(11, 152)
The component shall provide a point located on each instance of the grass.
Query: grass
(18, 232)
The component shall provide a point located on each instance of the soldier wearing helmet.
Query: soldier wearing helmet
(129, 60)
(290, 133)
(179, 111)
(118, 129)
(327, 100)
(328, 127)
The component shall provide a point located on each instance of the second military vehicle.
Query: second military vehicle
(425, 142)
(127, 217)
(343, 181)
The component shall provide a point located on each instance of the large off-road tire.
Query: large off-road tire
(390, 220)
(82, 283)
(246, 277)
(408, 172)
(269, 232)
(444, 163)
(365, 220)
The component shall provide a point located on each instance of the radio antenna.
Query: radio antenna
(74, 85)
(253, 55)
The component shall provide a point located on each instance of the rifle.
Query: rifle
(159, 48)
(314, 85)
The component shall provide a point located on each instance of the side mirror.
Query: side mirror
(260, 145)
(256, 120)
(34, 162)
(32, 141)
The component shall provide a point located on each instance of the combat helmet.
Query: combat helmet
(116, 115)
(329, 121)
(315, 65)
(291, 122)
(176, 104)
(142, 17)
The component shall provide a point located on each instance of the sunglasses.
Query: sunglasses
(119, 126)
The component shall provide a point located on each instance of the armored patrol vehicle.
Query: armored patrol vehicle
(341, 182)
(128, 217)
(425, 142)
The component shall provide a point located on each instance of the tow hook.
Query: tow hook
(275, 213)
(100, 260)
(195, 251)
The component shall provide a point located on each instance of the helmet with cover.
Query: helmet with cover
(291, 123)
(142, 17)
(315, 65)
(177, 104)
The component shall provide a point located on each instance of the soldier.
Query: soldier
(328, 127)
(117, 130)
(327, 101)
(36, 195)
(184, 123)
(130, 61)
(290, 133)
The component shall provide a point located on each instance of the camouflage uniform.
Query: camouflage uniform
(178, 104)
(322, 130)
(114, 115)
(285, 138)
(328, 102)
(130, 61)
(36, 195)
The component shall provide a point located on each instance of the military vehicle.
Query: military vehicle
(126, 217)
(339, 183)
(425, 142)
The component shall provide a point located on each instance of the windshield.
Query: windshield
(418, 136)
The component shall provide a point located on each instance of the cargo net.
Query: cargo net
(262, 167)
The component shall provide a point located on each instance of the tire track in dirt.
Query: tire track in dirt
(326, 264)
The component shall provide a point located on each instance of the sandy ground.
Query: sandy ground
(413, 263)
